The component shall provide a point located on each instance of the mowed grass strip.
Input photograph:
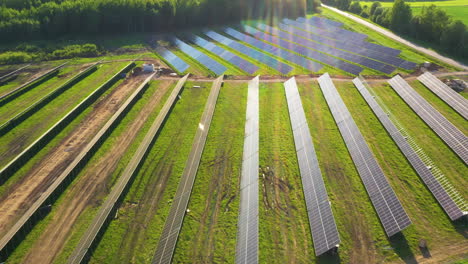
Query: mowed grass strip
(284, 233)
(133, 236)
(429, 220)
(25, 133)
(21, 102)
(209, 230)
(86, 215)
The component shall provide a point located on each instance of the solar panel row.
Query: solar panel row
(450, 134)
(322, 32)
(349, 45)
(326, 21)
(247, 228)
(303, 40)
(322, 223)
(321, 57)
(172, 59)
(452, 98)
(368, 45)
(441, 195)
(250, 52)
(275, 51)
(206, 61)
(225, 54)
(389, 209)
(320, 24)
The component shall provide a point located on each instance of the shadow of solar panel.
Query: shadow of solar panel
(321, 57)
(225, 54)
(452, 98)
(206, 61)
(389, 209)
(441, 195)
(250, 52)
(449, 133)
(321, 220)
(172, 59)
(275, 51)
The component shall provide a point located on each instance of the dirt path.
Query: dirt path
(92, 186)
(22, 194)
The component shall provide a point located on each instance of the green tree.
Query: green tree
(355, 8)
(400, 17)
(373, 7)
(453, 37)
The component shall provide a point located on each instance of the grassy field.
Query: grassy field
(456, 8)
(134, 235)
(209, 231)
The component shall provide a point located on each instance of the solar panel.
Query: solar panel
(432, 183)
(389, 209)
(172, 59)
(250, 52)
(197, 55)
(349, 44)
(318, 56)
(368, 45)
(275, 51)
(173, 224)
(319, 24)
(303, 39)
(451, 135)
(247, 227)
(225, 54)
(452, 98)
(322, 223)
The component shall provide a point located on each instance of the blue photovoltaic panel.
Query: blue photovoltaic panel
(325, 21)
(391, 213)
(206, 61)
(335, 30)
(367, 45)
(225, 54)
(376, 65)
(275, 51)
(250, 52)
(318, 56)
(172, 59)
(349, 45)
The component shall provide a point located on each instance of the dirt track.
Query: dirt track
(91, 187)
(21, 195)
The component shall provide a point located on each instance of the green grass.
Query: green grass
(134, 235)
(284, 233)
(209, 231)
(375, 37)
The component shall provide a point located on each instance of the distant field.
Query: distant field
(456, 8)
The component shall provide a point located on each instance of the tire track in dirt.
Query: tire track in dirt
(91, 188)
(22, 194)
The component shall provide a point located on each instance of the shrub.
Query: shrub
(12, 57)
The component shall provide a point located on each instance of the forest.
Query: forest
(46, 19)
(432, 25)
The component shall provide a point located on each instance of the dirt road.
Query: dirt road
(91, 187)
(21, 195)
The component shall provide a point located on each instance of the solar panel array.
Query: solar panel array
(304, 39)
(318, 56)
(275, 51)
(173, 224)
(250, 52)
(348, 44)
(322, 223)
(335, 29)
(172, 59)
(452, 98)
(225, 54)
(436, 188)
(450, 134)
(326, 21)
(389, 209)
(197, 55)
(323, 32)
(368, 45)
(247, 228)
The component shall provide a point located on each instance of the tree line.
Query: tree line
(433, 24)
(34, 19)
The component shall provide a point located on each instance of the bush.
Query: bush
(355, 8)
(13, 57)
(71, 51)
